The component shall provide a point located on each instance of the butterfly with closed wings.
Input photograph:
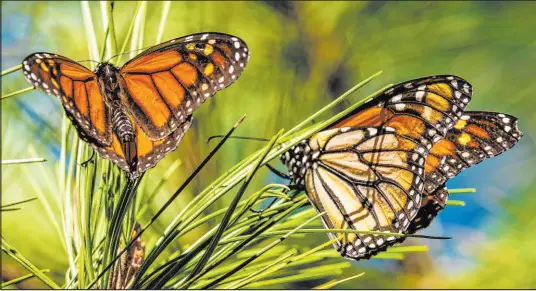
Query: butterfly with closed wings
(383, 166)
(136, 114)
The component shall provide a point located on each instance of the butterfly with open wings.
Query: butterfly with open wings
(136, 114)
(383, 166)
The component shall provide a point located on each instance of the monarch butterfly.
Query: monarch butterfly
(476, 137)
(136, 114)
(368, 171)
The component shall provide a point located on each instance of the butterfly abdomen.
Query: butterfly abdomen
(122, 125)
(124, 129)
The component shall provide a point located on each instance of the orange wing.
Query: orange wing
(148, 152)
(476, 137)
(424, 109)
(387, 192)
(78, 90)
(166, 83)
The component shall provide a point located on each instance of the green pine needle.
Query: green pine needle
(22, 278)
(455, 203)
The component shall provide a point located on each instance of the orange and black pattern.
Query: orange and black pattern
(78, 90)
(364, 179)
(477, 136)
(377, 184)
(148, 152)
(383, 166)
(180, 75)
(423, 109)
(136, 114)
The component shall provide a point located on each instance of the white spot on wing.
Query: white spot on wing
(419, 95)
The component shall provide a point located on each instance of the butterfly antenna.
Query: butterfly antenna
(127, 52)
(428, 236)
(238, 137)
(88, 61)
(272, 169)
(90, 160)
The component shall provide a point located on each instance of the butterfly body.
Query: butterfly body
(383, 166)
(112, 87)
(108, 78)
(135, 114)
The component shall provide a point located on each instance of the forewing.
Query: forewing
(77, 88)
(367, 179)
(476, 137)
(166, 83)
(424, 109)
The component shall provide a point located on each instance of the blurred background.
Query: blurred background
(303, 55)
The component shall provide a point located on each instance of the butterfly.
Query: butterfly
(477, 136)
(367, 170)
(136, 114)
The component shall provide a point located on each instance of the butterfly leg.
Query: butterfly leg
(295, 187)
(277, 172)
(90, 160)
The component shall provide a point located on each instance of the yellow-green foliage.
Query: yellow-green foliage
(303, 55)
